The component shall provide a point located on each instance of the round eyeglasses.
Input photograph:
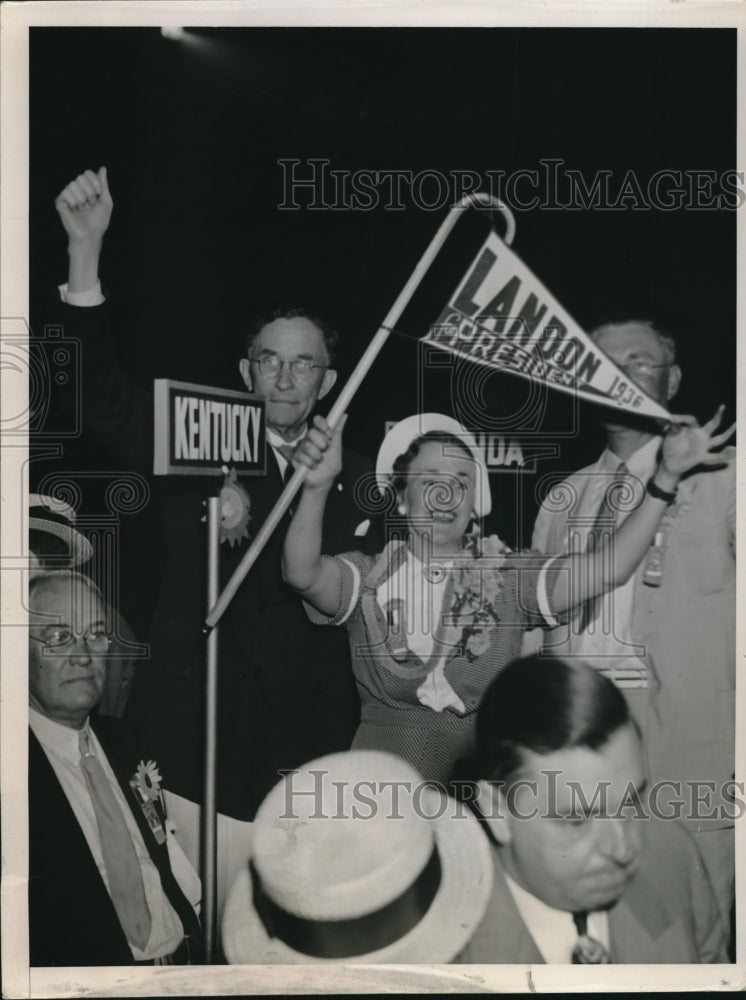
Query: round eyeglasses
(63, 638)
(638, 366)
(300, 368)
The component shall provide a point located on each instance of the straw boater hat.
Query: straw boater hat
(403, 434)
(344, 869)
(56, 517)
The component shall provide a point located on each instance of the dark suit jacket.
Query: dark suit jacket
(72, 921)
(285, 688)
(667, 914)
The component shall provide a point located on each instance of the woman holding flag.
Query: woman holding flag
(442, 610)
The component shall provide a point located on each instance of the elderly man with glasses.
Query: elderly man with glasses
(285, 688)
(98, 831)
(667, 637)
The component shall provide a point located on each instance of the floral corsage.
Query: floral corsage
(477, 585)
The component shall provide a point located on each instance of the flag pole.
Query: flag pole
(209, 802)
(477, 199)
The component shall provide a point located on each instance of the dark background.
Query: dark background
(192, 131)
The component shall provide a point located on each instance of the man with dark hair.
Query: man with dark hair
(285, 688)
(584, 871)
(98, 832)
(666, 637)
(264, 317)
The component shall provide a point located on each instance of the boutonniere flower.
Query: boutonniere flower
(146, 784)
(477, 585)
(235, 507)
(146, 781)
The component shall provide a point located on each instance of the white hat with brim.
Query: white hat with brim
(402, 434)
(56, 517)
(422, 875)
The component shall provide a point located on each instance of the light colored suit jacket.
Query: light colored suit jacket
(667, 914)
(686, 626)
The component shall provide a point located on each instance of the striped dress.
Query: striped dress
(392, 716)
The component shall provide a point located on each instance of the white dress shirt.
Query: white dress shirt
(61, 745)
(91, 297)
(553, 930)
(276, 442)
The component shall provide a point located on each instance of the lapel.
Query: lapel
(124, 762)
(43, 783)
(263, 494)
(584, 498)
(502, 937)
(263, 491)
(446, 637)
(52, 819)
(383, 568)
(274, 476)
(124, 759)
(96, 936)
(647, 603)
(637, 923)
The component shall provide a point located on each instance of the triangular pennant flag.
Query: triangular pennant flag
(503, 317)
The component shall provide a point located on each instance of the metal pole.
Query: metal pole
(209, 813)
(351, 387)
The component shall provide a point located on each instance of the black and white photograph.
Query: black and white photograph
(369, 498)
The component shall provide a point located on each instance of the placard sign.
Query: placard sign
(501, 453)
(200, 429)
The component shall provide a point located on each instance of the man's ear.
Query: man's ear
(492, 805)
(674, 380)
(330, 377)
(245, 368)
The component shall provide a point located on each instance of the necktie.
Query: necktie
(587, 950)
(604, 525)
(286, 450)
(122, 867)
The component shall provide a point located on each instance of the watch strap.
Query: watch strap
(655, 491)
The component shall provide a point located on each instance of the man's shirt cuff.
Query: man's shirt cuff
(92, 297)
